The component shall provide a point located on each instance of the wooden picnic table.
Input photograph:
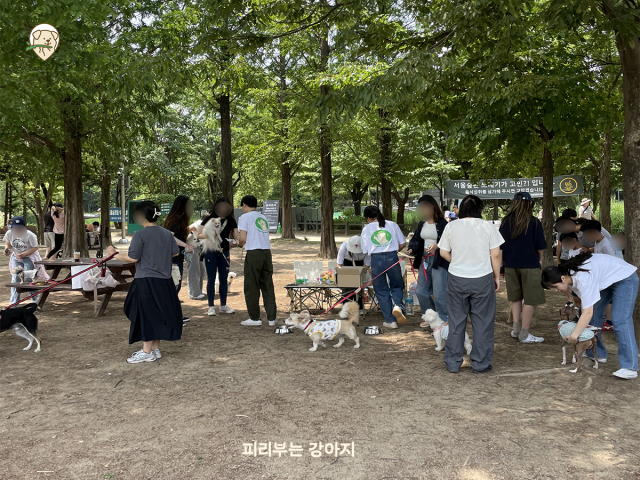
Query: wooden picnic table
(121, 271)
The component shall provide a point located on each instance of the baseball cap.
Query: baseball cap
(353, 245)
(18, 222)
(522, 196)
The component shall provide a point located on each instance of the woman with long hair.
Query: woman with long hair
(57, 214)
(432, 268)
(522, 253)
(177, 222)
(219, 262)
(599, 280)
(472, 246)
(382, 239)
(152, 304)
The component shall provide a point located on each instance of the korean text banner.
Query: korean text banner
(506, 188)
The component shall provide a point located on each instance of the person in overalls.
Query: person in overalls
(383, 239)
(351, 255)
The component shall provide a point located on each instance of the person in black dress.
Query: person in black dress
(152, 304)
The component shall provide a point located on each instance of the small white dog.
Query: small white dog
(441, 331)
(328, 329)
(230, 278)
(213, 242)
(24, 274)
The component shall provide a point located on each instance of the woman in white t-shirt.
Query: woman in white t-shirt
(599, 280)
(472, 245)
(382, 239)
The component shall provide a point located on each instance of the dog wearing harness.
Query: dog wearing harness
(441, 331)
(319, 331)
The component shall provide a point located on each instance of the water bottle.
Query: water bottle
(408, 303)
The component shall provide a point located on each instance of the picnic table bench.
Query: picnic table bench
(121, 271)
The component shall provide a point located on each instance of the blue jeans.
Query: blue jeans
(434, 283)
(622, 296)
(26, 264)
(389, 287)
(217, 262)
(181, 268)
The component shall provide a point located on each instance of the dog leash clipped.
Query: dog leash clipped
(358, 290)
(62, 281)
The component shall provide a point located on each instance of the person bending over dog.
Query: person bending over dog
(599, 280)
(258, 264)
(152, 304)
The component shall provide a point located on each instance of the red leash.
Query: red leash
(344, 299)
(62, 281)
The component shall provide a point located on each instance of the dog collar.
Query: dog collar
(308, 325)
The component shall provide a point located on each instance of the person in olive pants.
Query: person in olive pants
(258, 277)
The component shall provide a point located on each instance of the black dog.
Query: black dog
(23, 322)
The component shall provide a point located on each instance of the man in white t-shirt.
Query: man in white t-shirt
(592, 232)
(472, 245)
(258, 263)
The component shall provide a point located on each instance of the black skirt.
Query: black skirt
(153, 308)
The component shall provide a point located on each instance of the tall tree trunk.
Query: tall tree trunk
(39, 212)
(287, 173)
(6, 201)
(401, 202)
(327, 238)
(105, 204)
(630, 59)
(23, 197)
(384, 142)
(226, 164)
(496, 210)
(357, 192)
(605, 181)
(287, 220)
(75, 238)
(547, 196)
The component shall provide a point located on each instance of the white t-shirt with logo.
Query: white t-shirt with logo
(604, 246)
(377, 239)
(257, 228)
(603, 271)
(469, 241)
(26, 241)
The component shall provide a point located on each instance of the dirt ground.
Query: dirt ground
(77, 410)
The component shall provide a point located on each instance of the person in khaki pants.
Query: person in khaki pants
(258, 265)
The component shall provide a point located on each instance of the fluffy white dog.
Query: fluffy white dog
(441, 331)
(212, 229)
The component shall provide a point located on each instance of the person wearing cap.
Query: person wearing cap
(585, 210)
(522, 253)
(22, 246)
(432, 268)
(350, 255)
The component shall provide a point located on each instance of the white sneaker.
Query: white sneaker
(390, 324)
(272, 323)
(226, 309)
(399, 314)
(532, 339)
(513, 335)
(252, 323)
(626, 374)
(212, 311)
(199, 297)
(600, 360)
(140, 356)
(157, 353)
(185, 319)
